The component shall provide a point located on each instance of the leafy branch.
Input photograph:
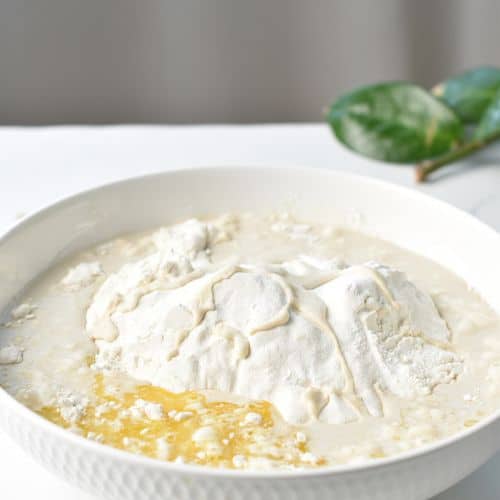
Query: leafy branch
(425, 168)
(403, 123)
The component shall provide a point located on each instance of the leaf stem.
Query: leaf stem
(425, 168)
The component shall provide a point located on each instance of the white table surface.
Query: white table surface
(39, 165)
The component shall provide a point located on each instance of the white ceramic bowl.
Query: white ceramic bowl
(404, 217)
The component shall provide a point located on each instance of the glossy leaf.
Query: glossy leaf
(490, 121)
(470, 93)
(396, 122)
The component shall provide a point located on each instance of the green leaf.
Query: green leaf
(396, 122)
(470, 93)
(490, 121)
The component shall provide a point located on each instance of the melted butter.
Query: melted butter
(236, 435)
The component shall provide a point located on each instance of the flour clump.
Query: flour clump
(318, 338)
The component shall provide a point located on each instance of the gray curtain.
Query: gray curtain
(182, 61)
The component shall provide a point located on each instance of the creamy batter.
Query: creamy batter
(252, 341)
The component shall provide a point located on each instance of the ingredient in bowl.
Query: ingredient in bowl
(312, 338)
(81, 275)
(253, 342)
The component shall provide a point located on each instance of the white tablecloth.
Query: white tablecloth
(39, 165)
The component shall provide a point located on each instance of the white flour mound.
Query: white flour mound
(317, 339)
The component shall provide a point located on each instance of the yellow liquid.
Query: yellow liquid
(235, 436)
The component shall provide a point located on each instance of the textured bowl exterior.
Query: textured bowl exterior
(116, 475)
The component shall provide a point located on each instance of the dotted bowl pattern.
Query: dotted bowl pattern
(118, 476)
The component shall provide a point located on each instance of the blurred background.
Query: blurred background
(239, 61)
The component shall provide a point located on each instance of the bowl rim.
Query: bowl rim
(9, 402)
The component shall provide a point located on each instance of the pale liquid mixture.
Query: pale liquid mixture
(58, 377)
